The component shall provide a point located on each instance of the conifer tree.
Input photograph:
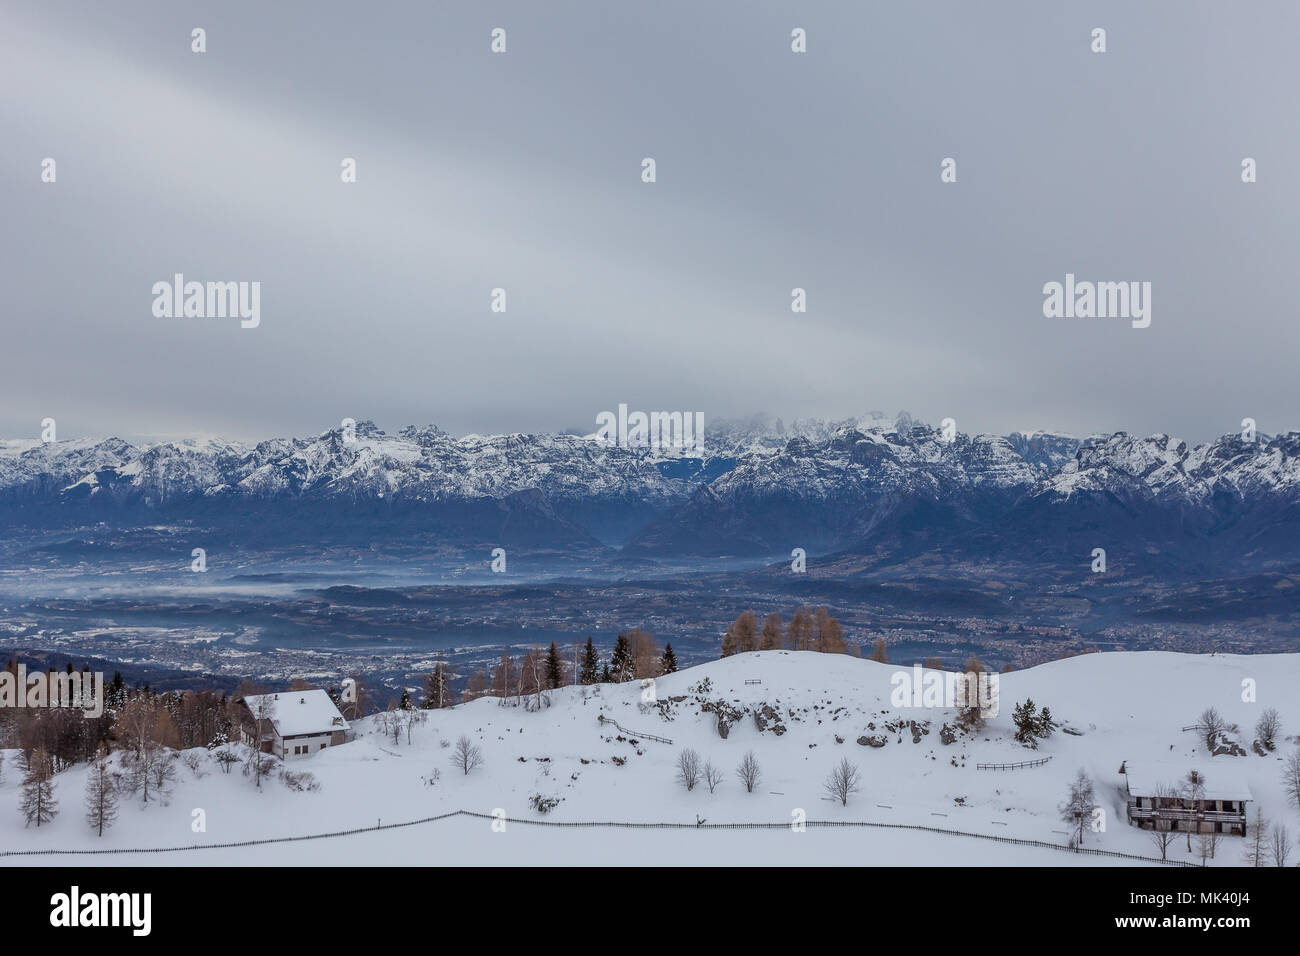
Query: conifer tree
(589, 673)
(1023, 716)
(620, 662)
(101, 800)
(1045, 725)
(554, 668)
(38, 804)
(437, 688)
(668, 663)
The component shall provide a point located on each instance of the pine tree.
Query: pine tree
(605, 676)
(588, 674)
(554, 669)
(437, 689)
(101, 800)
(38, 804)
(405, 702)
(1045, 725)
(668, 663)
(1026, 723)
(620, 662)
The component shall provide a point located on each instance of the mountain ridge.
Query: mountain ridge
(762, 488)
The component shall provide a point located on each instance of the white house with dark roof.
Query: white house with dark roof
(293, 723)
(1205, 797)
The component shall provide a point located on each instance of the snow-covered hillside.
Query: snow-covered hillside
(1125, 706)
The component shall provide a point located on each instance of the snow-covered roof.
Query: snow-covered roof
(1220, 780)
(299, 712)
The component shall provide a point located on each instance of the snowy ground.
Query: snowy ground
(1128, 707)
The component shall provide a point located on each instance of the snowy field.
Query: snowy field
(1127, 706)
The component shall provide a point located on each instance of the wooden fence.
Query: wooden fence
(1012, 766)
(631, 733)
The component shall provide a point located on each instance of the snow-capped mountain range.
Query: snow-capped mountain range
(764, 487)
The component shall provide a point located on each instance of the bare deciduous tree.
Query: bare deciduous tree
(1162, 832)
(742, 636)
(194, 762)
(1280, 845)
(262, 712)
(101, 800)
(688, 768)
(1193, 793)
(970, 712)
(393, 722)
(533, 680)
(1078, 806)
(712, 776)
(1208, 845)
(413, 718)
(1267, 728)
(1291, 777)
(151, 772)
(1255, 852)
(503, 678)
(771, 638)
(645, 652)
(748, 771)
(1210, 722)
(800, 632)
(227, 758)
(467, 756)
(830, 636)
(38, 804)
(843, 781)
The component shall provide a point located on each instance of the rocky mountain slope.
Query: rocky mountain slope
(764, 488)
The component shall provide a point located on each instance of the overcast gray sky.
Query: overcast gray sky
(522, 171)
